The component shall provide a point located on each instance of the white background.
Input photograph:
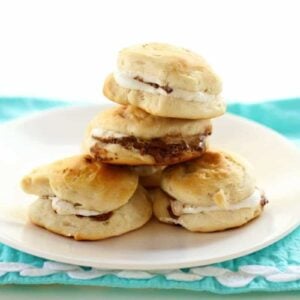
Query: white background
(64, 49)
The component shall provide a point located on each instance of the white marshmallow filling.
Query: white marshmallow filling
(179, 208)
(103, 133)
(100, 133)
(64, 207)
(136, 83)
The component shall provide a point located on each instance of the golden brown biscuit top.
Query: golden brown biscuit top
(80, 179)
(214, 178)
(171, 66)
(132, 121)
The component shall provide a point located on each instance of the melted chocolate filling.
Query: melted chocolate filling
(99, 218)
(171, 214)
(263, 200)
(160, 149)
(166, 88)
(88, 159)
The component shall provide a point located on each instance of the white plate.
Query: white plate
(28, 142)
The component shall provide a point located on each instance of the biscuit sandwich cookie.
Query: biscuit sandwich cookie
(214, 192)
(166, 81)
(87, 200)
(128, 135)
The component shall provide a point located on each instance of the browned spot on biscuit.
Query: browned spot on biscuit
(100, 153)
(88, 159)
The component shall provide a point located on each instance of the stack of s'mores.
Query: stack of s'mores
(152, 145)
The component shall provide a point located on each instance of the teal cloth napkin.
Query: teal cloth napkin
(275, 268)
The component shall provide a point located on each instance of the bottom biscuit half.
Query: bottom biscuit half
(130, 216)
(209, 221)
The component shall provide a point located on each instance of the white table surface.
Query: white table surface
(64, 49)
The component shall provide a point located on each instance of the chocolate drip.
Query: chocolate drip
(166, 88)
(263, 200)
(99, 218)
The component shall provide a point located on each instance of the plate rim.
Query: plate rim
(150, 266)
